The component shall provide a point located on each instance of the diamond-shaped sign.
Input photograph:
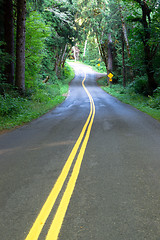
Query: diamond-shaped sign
(110, 75)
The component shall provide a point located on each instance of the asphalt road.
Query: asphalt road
(114, 192)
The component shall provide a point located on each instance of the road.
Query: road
(89, 169)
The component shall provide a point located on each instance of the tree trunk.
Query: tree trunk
(123, 61)
(20, 45)
(9, 39)
(64, 60)
(125, 37)
(104, 55)
(99, 47)
(57, 63)
(102, 51)
(63, 55)
(74, 53)
(85, 47)
(149, 70)
(110, 56)
(124, 31)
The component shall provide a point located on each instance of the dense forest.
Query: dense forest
(38, 36)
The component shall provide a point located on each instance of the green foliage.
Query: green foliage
(92, 53)
(140, 85)
(46, 93)
(60, 16)
(154, 101)
(52, 25)
(137, 53)
(4, 59)
(149, 105)
(36, 33)
(144, 37)
(92, 56)
(16, 110)
(10, 105)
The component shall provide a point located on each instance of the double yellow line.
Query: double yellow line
(62, 208)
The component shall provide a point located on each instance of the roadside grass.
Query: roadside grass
(149, 105)
(17, 110)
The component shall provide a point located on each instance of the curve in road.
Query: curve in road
(117, 195)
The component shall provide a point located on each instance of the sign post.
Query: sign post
(110, 75)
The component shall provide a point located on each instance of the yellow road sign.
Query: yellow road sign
(110, 75)
(110, 79)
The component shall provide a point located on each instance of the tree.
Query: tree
(20, 45)
(149, 53)
(62, 22)
(143, 23)
(125, 39)
(123, 62)
(124, 29)
(37, 31)
(110, 55)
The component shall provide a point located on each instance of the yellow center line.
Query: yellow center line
(61, 211)
(48, 205)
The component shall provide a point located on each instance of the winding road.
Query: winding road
(89, 169)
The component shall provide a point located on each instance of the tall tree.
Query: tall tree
(110, 55)
(125, 39)
(149, 54)
(123, 62)
(20, 45)
(124, 29)
(149, 49)
(61, 19)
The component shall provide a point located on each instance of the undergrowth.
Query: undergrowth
(16, 109)
(128, 95)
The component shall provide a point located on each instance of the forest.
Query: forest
(38, 37)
